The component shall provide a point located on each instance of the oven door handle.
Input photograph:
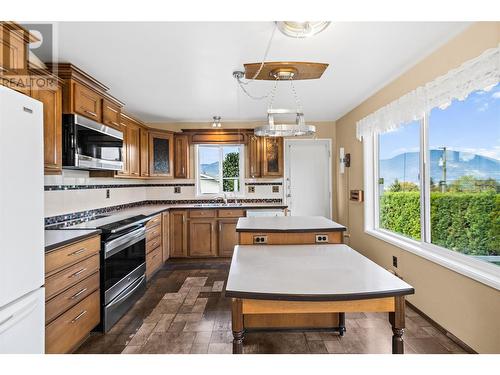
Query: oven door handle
(136, 284)
(112, 247)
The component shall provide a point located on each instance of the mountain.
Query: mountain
(405, 167)
(211, 169)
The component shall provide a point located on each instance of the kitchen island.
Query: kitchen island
(311, 279)
(292, 230)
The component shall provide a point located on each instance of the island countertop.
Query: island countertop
(284, 224)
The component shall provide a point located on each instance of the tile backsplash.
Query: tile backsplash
(75, 191)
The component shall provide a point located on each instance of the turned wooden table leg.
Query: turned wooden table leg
(397, 320)
(237, 325)
(341, 323)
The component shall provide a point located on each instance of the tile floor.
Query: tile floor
(184, 311)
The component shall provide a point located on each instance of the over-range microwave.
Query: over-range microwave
(90, 145)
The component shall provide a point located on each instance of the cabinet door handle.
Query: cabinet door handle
(220, 227)
(90, 113)
(79, 251)
(78, 293)
(114, 123)
(183, 169)
(78, 272)
(76, 318)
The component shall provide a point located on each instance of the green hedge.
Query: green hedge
(465, 222)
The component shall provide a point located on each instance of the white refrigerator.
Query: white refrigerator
(22, 296)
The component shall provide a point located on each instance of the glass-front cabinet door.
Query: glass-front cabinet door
(272, 157)
(161, 154)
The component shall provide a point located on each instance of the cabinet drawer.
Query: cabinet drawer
(202, 213)
(153, 261)
(152, 233)
(87, 102)
(155, 220)
(153, 244)
(64, 333)
(70, 276)
(71, 297)
(111, 114)
(231, 213)
(71, 254)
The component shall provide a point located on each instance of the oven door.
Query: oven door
(124, 262)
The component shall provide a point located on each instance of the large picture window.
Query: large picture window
(436, 181)
(219, 169)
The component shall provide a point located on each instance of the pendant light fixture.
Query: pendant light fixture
(301, 29)
(280, 72)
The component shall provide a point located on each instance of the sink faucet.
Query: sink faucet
(224, 197)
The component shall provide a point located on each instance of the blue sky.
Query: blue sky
(209, 155)
(472, 125)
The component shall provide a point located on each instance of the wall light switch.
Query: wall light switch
(251, 189)
(276, 188)
(177, 189)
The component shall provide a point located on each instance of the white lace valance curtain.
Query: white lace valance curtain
(481, 73)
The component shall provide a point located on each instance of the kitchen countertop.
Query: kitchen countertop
(288, 224)
(309, 273)
(60, 237)
(151, 210)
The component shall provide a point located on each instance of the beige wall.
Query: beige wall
(466, 308)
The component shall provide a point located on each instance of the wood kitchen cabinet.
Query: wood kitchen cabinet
(202, 237)
(125, 170)
(272, 157)
(254, 147)
(228, 238)
(133, 145)
(144, 152)
(111, 114)
(87, 102)
(154, 250)
(14, 41)
(52, 128)
(161, 154)
(166, 236)
(181, 156)
(178, 233)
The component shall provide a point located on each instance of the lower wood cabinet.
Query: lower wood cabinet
(166, 235)
(72, 296)
(228, 238)
(178, 233)
(72, 327)
(202, 238)
(154, 249)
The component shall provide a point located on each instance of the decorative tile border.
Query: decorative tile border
(82, 216)
(110, 186)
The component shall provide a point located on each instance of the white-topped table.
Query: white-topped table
(291, 279)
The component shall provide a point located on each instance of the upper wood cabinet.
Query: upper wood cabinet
(181, 156)
(144, 152)
(87, 102)
(111, 114)
(254, 147)
(178, 233)
(133, 144)
(14, 40)
(272, 157)
(161, 153)
(52, 128)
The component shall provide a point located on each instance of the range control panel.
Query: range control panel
(322, 238)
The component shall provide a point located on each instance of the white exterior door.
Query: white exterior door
(308, 182)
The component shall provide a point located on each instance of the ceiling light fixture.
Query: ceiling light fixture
(272, 129)
(301, 29)
(216, 123)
